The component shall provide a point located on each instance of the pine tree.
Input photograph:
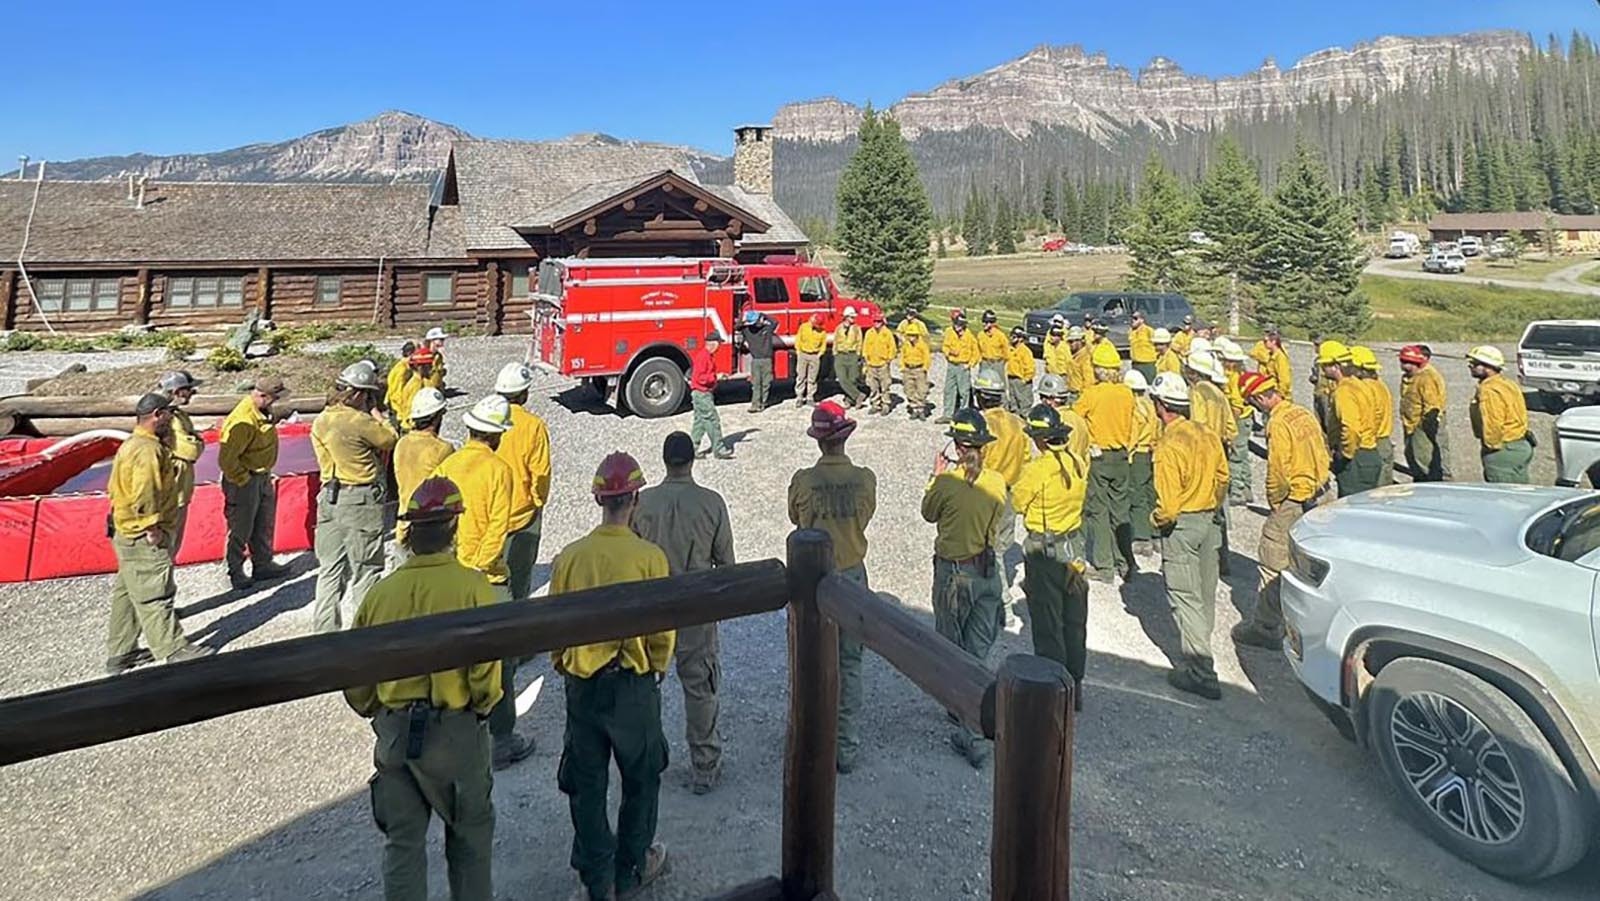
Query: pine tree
(884, 219)
(1312, 258)
(1232, 212)
(1005, 228)
(1071, 211)
(975, 223)
(939, 248)
(1158, 233)
(1049, 206)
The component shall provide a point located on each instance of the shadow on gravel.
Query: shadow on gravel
(1144, 597)
(583, 399)
(291, 594)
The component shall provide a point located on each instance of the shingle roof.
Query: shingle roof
(213, 221)
(781, 230)
(1523, 221)
(446, 238)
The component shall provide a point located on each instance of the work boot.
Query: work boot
(511, 749)
(703, 781)
(723, 453)
(1183, 680)
(190, 652)
(1257, 637)
(656, 865)
(116, 666)
(269, 572)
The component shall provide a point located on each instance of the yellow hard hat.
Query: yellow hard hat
(1330, 352)
(1364, 358)
(1105, 356)
(1488, 356)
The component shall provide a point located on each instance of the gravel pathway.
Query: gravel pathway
(1256, 797)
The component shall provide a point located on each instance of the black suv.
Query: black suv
(1160, 310)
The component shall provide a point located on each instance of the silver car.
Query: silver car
(1451, 630)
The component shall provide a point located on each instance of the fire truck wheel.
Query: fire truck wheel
(656, 388)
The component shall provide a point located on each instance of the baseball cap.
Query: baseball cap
(151, 403)
(270, 384)
(677, 450)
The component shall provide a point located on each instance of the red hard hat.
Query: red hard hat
(437, 498)
(422, 356)
(619, 474)
(1253, 383)
(1414, 354)
(830, 423)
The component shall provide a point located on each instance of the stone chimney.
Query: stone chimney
(752, 158)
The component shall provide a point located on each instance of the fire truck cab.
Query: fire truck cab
(629, 325)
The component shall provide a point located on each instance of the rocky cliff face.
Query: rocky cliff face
(1067, 87)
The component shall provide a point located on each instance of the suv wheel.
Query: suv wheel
(656, 388)
(1477, 773)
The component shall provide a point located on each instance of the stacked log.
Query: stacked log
(54, 417)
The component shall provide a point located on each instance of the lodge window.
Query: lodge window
(77, 295)
(439, 287)
(329, 288)
(771, 290)
(519, 279)
(205, 291)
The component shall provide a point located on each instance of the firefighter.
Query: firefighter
(690, 524)
(1297, 480)
(526, 449)
(847, 357)
(420, 365)
(878, 350)
(1083, 360)
(1053, 394)
(703, 381)
(488, 495)
(1240, 490)
(1422, 414)
(1057, 351)
(431, 753)
(1142, 345)
(247, 449)
(1499, 419)
(1141, 484)
(1209, 408)
(993, 346)
(1183, 337)
(839, 498)
(613, 701)
(1100, 331)
(351, 437)
(1107, 406)
(1049, 495)
(760, 334)
(1191, 477)
(810, 342)
(1019, 373)
(960, 349)
(434, 341)
(1353, 436)
(187, 445)
(1167, 359)
(1005, 455)
(1272, 359)
(144, 509)
(965, 501)
(1381, 408)
(916, 355)
(400, 372)
(417, 454)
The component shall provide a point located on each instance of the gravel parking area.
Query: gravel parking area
(1253, 797)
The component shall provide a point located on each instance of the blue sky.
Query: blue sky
(88, 79)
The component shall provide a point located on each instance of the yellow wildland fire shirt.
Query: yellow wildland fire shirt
(839, 498)
(1142, 344)
(435, 378)
(247, 442)
(398, 375)
(1108, 408)
(1078, 436)
(993, 344)
(1058, 359)
(350, 445)
(416, 456)
(810, 339)
(1083, 360)
(1382, 401)
(1352, 416)
(1499, 413)
(1010, 448)
(399, 399)
(959, 348)
(1209, 409)
(1019, 362)
(1236, 396)
(1297, 456)
(847, 339)
(526, 449)
(1169, 361)
(1181, 339)
(966, 513)
(422, 586)
(187, 446)
(1146, 425)
(1191, 474)
(1275, 362)
(912, 325)
(916, 354)
(1420, 394)
(878, 346)
(485, 481)
(611, 555)
(142, 485)
(1049, 494)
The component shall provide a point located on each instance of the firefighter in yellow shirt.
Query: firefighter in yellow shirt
(613, 700)
(916, 355)
(1005, 455)
(1049, 496)
(432, 749)
(877, 351)
(961, 353)
(187, 445)
(1240, 490)
(1353, 438)
(1141, 479)
(1210, 410)
(1273, 360)
(247, 450)
(810, 342)
(1381, 410)
(1191, 477)
(1053, 394)
(847, 356)
(418, 453)
(1058, 358)
(1499, 419)
(1167, 359)
(1183, 337)
(993, 346)
(420, 365)
(434, 341)
(1142, 345)
(1298, 474)
(1081, 375)
(399, 373)
(1422, 415)
(526, 448)
(1107, 406)
(1019, 373)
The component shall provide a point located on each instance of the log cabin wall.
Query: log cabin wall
(300, 297)
(112, 300)
(420, 300)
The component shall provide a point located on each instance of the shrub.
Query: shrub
(22, 341)
(179, 347)
(68, 345)
(346, 354)
(226, 359)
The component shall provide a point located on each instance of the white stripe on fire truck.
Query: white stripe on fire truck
(649, 315)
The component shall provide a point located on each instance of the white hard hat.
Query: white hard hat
(514, 378)
(492, 414)
(435, 334)
(1230, 350)
(1058, 319)
(361, 375)
(1201, 345)
(1488, 356)
(849, 312)
(1171, 389)
(1161, 336)
(1134, 379)
(1205, 363)
(427, 402)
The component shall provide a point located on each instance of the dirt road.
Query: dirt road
(1565, 281)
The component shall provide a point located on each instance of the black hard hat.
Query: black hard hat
(969, 429)
(1044, 422)
(989, 316)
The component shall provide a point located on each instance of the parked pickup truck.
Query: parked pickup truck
(1560, 360)
(1578, 447)
(1112, 307)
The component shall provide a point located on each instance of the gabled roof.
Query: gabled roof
(198, 222)
(597, 198)
(1530, 220)
(780, 228)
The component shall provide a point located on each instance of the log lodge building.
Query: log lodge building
(97, 256)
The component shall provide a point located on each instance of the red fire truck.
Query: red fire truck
(628, 325)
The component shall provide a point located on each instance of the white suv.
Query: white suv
(1451, 630)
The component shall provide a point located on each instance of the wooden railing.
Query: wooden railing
(1027, 709)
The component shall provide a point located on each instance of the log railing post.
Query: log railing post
(812, 745)
(1031, 854)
